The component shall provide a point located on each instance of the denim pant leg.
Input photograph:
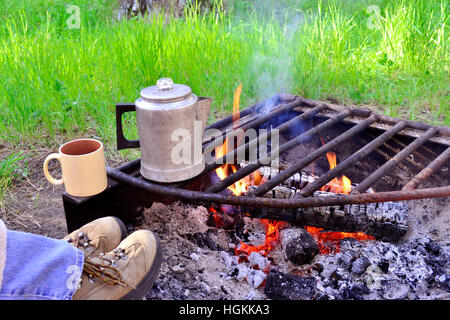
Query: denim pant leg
(38, 267)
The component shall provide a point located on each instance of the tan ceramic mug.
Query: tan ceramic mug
(83, 167)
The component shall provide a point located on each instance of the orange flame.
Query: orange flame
(240, 186)
(337, 185)
(329, 241)
(272, 235)
(236, 102)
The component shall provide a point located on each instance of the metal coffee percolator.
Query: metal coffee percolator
(171, 120)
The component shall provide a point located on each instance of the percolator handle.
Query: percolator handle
(123, 143)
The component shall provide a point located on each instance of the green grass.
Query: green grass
(11, 167)
(58, 83)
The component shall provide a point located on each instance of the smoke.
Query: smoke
(272, 74)
(272, 66)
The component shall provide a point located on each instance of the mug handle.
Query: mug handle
(47, 174)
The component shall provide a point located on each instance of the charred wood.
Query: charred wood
(298, 245)
(385, 220)
(281, 286)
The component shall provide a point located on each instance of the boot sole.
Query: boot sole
(147, 283)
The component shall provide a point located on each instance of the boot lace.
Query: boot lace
(106, 270)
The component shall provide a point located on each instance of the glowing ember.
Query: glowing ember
(272, 236)
(329, 241)
(216, 216)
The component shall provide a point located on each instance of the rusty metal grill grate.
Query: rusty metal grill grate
(360, 119)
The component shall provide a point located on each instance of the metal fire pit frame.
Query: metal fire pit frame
(128, 193)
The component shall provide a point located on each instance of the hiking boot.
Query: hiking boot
(101, 235)
(125, 273)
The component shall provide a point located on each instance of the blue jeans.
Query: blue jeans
(38, 268)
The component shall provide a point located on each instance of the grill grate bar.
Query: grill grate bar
(241, 173)
(434, 166)
(296, 167)
(403, 145)
(260, 120)
(397, 150)
(388, 166)
(283, 127)
(261, 202)
(330, 175)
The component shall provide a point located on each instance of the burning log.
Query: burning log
(298, 180)
(385, 220)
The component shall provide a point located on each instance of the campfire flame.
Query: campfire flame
(337, 185)
(328, 242)
(236, 103)
(272, 235)
(240, 187)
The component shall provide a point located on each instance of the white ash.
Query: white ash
(194, 256)
(200, 263)
(251, 271)
(258, 260)
(256, 277)
(411, 271)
